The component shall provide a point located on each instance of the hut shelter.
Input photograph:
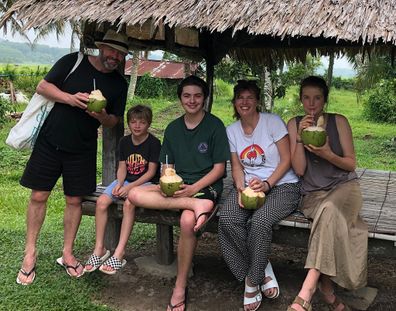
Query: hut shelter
(255, 31)
(169, 70)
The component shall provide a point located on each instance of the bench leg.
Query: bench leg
(112, 234)
(164, 255)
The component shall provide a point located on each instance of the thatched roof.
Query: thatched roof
(249, 29)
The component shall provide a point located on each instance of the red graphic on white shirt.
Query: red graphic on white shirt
(251, 154)
(135, 164)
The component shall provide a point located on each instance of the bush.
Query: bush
(27, 84)
(344, 83)
(223, 89)
(149, 87)
(381, 103)
(5, 108)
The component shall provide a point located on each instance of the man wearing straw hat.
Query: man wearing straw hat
(67, 143)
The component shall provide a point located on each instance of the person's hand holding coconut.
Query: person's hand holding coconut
(96, 106)
(253, 196)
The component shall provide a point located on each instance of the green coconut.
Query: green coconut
(252, 199)
(315, 135)
(170, 182)
(96, 101)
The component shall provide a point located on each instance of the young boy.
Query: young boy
(138, 165)
(196, 145)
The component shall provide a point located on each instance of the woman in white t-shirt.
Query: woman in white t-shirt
(260, 159)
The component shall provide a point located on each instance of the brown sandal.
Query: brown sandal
(336, 303)
(301, 302)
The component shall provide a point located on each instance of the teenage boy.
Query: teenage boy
(138, 165)
(196, 145)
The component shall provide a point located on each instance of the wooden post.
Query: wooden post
(210, 62)
(111, 137)
(164, 254)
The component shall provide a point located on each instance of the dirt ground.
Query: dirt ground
(213, 287)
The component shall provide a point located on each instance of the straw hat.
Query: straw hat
(115, 40)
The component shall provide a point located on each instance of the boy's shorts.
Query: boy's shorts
(47, 164)
(109, 189)
(208, 193)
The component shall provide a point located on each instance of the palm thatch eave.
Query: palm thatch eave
(251, 30)
(366, 21)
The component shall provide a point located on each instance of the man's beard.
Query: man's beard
(106, 64)
(109, 66)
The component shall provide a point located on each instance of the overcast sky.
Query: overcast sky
(51, 40)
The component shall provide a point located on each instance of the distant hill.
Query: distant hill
(22, 53)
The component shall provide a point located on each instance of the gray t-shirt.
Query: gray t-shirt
(320, 174)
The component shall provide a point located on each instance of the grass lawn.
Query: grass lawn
(53, 289)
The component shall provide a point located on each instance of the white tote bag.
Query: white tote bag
(24, 134)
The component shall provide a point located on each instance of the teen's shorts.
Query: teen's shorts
(47, 163)
(208, 193)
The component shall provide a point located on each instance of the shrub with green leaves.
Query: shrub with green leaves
(5, 108)
(223, 89)
(149, 87)
(344, 83)
(381, 103)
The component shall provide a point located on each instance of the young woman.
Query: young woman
(337, 249)
(260, 159)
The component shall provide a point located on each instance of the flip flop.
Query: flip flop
(27, 274)
(210, 214)
(199, 216)
(270, 284)
(60, 262)
(179, 304)
(114, 263)
(95, 261)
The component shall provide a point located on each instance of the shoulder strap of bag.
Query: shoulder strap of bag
(80, 57)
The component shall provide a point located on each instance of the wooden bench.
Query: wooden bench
(379, 212)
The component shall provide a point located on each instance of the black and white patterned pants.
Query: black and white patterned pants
(245, 235)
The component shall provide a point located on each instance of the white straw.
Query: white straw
(94, 84)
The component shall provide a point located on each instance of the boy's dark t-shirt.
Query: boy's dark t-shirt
(70, 128)
(195, 151)
(137, 157)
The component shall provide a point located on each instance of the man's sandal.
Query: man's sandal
(301, 302)
(60, 262)
(270, 284)
(114, 263)
(249, 300)
(27, 274)
(179, 304)
(95, 261)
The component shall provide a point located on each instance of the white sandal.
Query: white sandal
(250, 300)
(271, 284)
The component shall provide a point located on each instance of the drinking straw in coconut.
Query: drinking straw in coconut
(313, 118)
(166, 160)
(94, 83)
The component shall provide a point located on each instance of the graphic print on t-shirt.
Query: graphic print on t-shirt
(252, 155)
(135, 164)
